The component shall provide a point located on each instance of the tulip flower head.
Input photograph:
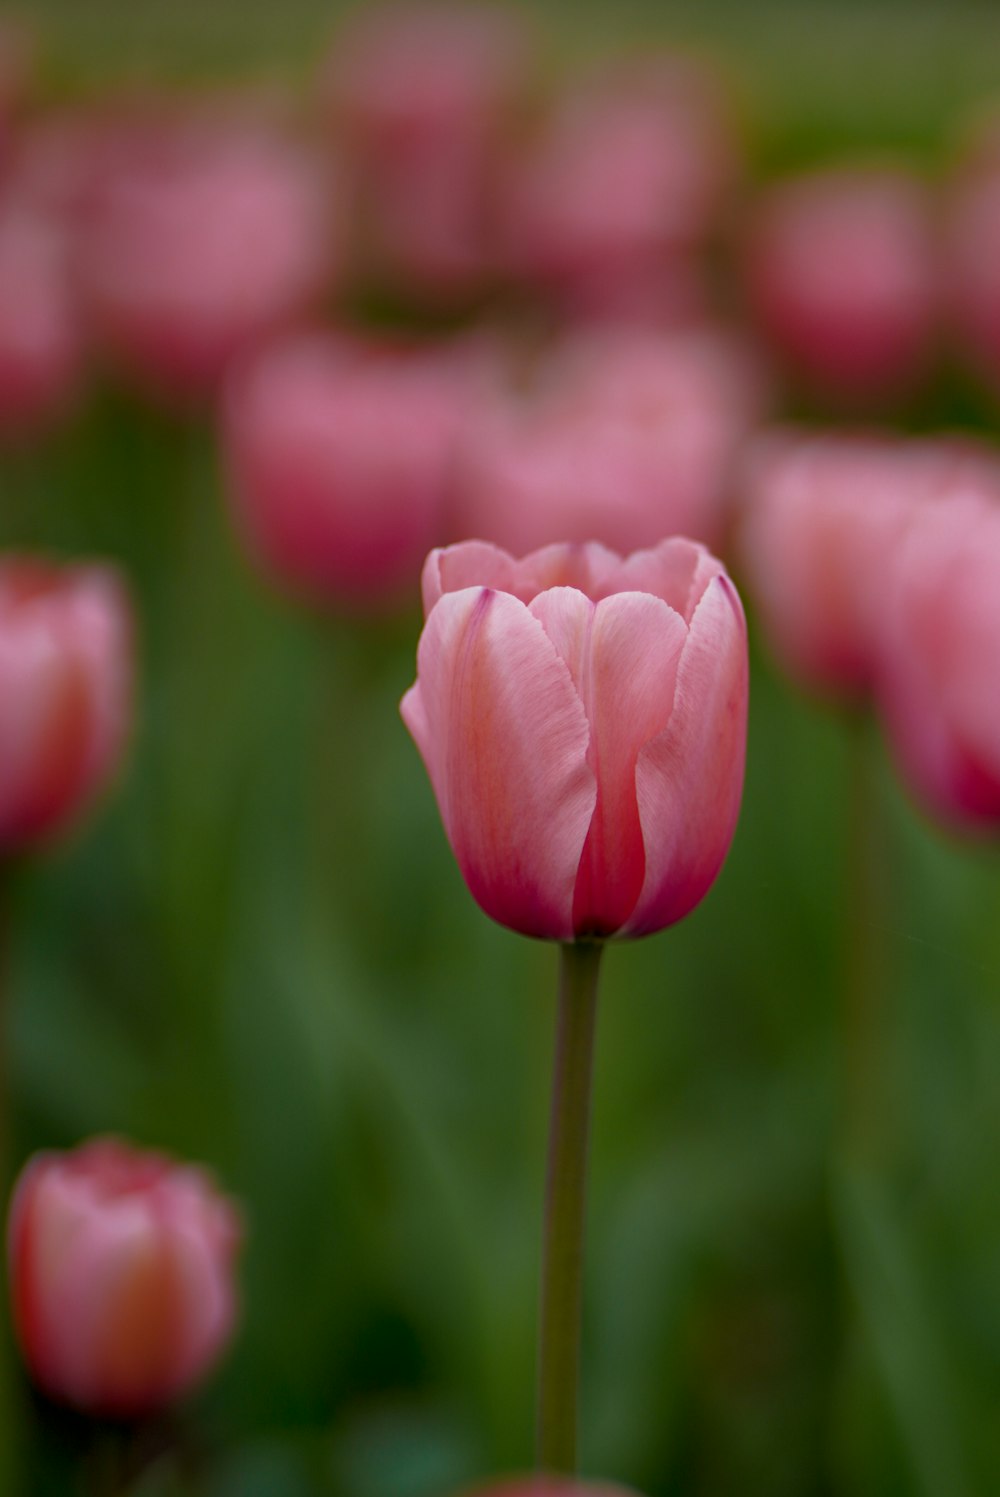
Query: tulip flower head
(341, 459)
(940, 660)
(41, 343)
(626, 437)
(121, 1275)
(823, 518)
(843, 278)
(582, 718)
(65, 693)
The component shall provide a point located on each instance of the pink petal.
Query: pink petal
(677, 570)
(448, 569)
(622, 654)
(504, 737)
(689, 779)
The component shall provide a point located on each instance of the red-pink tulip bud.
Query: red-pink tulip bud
(65, 693)
(582, 718)
(424, 95)
(940, 661)
(203, 239)
(121, 1276)
(823, 518)
(843, 277)
(624, 181)
(626, 437)
(973, 239)
(341, 459)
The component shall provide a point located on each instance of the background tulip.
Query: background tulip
(341, 460)
(41, 342)
(583, 718)
(823, 516)
(624, 438)
(121, 1273)
(843, 279)
(65, 693)
(940, 660)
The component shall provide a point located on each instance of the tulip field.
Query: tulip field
(499, 750)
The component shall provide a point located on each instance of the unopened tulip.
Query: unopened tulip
(424, 96)
(121, 1276)
(973, 240)
(624, 182)
(843, 279)
(823, 518)
(202, 240)
(341, 461)
(41, 344)
(582, 718)
(65, 693)
(940, 662)
(625, 438)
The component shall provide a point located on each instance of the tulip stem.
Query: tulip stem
(565, 1206)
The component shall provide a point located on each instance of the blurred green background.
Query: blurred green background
(261, 954)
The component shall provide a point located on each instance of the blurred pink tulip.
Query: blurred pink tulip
(582, 718)
(823, 517)
(424, 95)
(41, 341)
(625, 180)
(121, 1276)
(65, 693)
(341, 462)
(201, 240)
(940, 660)
(843, 277)
(626, 437)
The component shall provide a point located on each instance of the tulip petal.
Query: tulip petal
(449, 569)
(622, 654)
(677, 570)
(504, 737)
(689, 779)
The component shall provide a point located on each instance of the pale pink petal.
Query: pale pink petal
(689, 779)
(504, 736)
(448, 569)
(622, 654)
(677, 570)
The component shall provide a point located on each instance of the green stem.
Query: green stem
(10, 1412)
(562, 1258)
(863, 1058)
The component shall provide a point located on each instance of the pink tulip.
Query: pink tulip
(582, 718)
(65, 693)
(823, 518)
(424, 95)
(626, 437)
(41, 342)
(341, 458)
(121, 1276)
(202, 239)
(940, 661)
(625, 180)
(843, 279)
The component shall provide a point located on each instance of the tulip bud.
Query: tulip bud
(940, 659)
(623, 183)
(823, 517)
(202, 240)
(582, 718)
(843, 280)
(424, 95)
(341, 460)
(627, 437)
(121, 1275)
(65, 693)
